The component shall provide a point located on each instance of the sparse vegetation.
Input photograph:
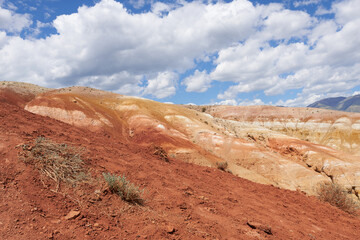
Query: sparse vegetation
(159, 151)
(203, 109)
(337, 196)
(60, 162)
(125, 189)
(222, 165)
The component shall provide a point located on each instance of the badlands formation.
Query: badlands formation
(173, 152)
(291, 148)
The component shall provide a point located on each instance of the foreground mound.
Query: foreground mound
(182, 200)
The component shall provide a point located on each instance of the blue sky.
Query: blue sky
(240, 52)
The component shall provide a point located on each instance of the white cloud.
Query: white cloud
(163, 85)
(159, 8)
(105, 40)
(248, 102)
(11, 6)
(199, 82)
(245, 102)
(13, 22)
(322, 29)
(137, 3)
(296, 25)
(322, 11)
(122, 82)
(3, 39)
(328, 66)
(258, 48)
(231, 102)
(346, 11)
(47, 15)
(305, 2)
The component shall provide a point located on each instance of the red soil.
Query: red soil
(183, 201)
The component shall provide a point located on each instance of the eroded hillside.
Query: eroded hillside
(183, 200)
(295, 149)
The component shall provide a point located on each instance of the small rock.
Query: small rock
(72, 215)
(55, 221)
(96, 224)
(259, 226)
(50, 236)
(170, 229)
(182, 206)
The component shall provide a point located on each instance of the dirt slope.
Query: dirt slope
(253, 151)
(183, 200)
(19, 93)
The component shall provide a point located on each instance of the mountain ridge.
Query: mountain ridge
(346, 104)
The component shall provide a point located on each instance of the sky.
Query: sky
(241, 52)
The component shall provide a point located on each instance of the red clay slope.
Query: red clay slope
(183, 201)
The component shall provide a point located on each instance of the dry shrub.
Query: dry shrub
(222, 165)
(60, 162)
(159, 151)
(124, 188)
(337, 196)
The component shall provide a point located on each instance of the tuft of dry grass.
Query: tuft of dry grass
(60, 162)
(125, 189)
(337, 196)
(159, 151)
(222, 165)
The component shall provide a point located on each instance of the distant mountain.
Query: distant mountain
(350, 104)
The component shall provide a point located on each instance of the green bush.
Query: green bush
(124, 188)
(337, 196)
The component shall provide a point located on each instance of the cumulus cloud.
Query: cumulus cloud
(305, 2)
(323, 11)
(122, 82)
(264, 48)
(346, 11)
(160, 8)
(3, 38)
(12, 22)
(296, 25)
(328, 64)
(244, 102)
(248, 102)
(198, 82)
(137, 3)
(163, 85)
(105, 40)
(231, 102)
